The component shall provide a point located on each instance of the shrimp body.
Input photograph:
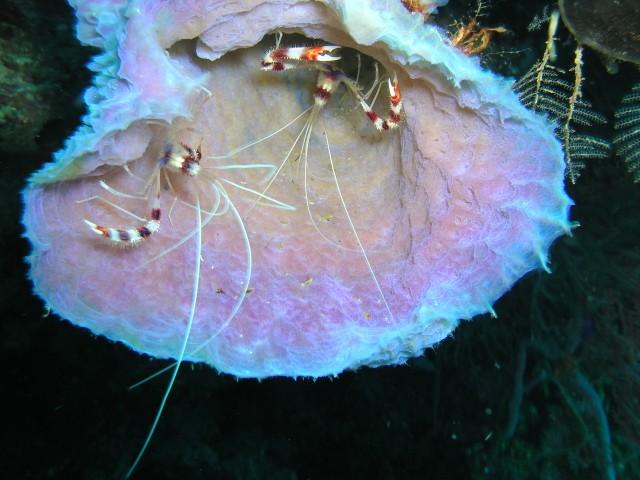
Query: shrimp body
(187, 164)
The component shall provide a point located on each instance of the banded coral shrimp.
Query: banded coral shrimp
(322, 59)
(180, 178)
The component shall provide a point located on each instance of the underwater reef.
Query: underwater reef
(548, 389)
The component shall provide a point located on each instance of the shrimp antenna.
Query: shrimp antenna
(308, 203)
(353, 229)
(237, 150)
(176, 366)
(239, 301)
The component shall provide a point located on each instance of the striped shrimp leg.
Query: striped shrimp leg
(286, 58)
(130, 236)
(392, 120)
(135, 235)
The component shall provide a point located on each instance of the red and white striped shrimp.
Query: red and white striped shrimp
(184, 161)
(187, 164)
(329, 79)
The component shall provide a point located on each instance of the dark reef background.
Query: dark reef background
(548, 390)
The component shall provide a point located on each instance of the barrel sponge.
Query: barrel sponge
(452, 208)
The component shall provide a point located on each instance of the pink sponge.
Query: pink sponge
(451, 208)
